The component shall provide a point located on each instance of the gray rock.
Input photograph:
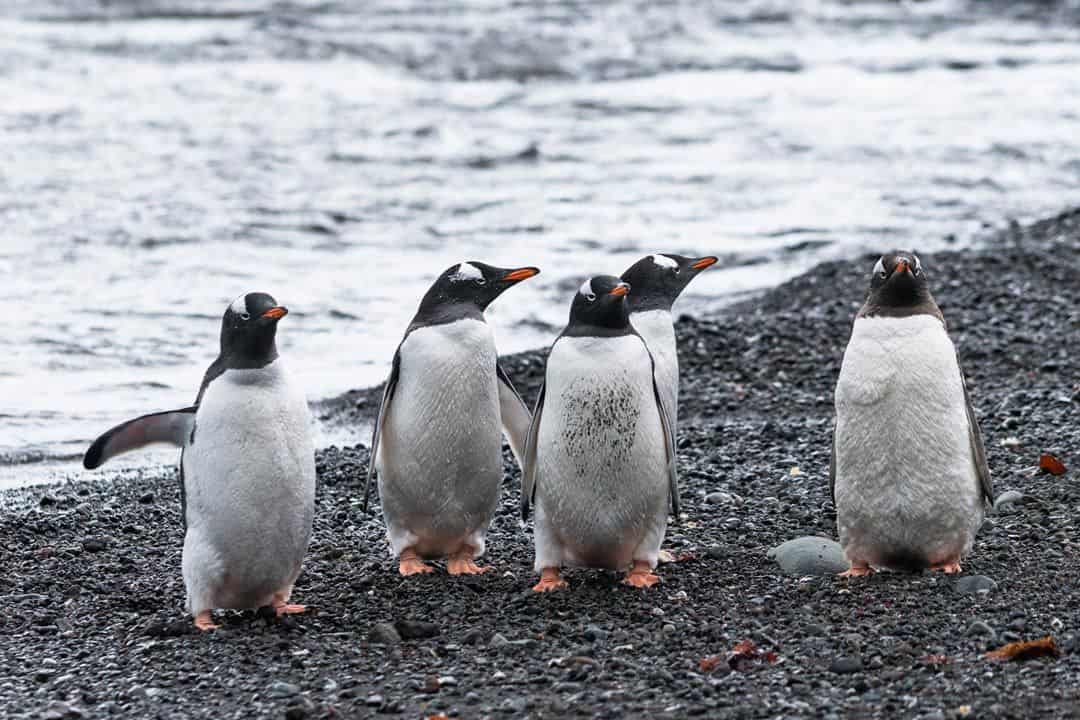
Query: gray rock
(95, 544)
(474, 636)
(723, 498)
(283, 690)
(516, 645)
(809, 555)
(416, 629)
(296, 712)
(595, 634)
(58, 710)
(384, 634)
(374, 700)
(1006, 500)
(497, 641)
(846, 665)
(971, 584)
(980, 627)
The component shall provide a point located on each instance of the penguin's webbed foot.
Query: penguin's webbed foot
(949, 568)
(550, 581)
(286, 608)
(204, 622)
(462, 563)
(641, 576)
(857, 571)
(409, 563)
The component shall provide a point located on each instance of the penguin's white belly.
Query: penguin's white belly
(249, 477)
(440, 449)
(656, 327)
(601, 478)
(907, 492)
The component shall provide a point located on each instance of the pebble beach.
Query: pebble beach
(93, 624)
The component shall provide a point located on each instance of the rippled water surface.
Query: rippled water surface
(159, 158)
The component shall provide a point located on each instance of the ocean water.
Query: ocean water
(158, 159)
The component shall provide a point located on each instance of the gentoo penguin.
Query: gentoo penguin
(658, 280)
(247, 469)
(908, 475)
(437, 443)
(599, 457)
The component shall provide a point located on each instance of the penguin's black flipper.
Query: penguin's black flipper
(528, 470)
(388, 396)
(832, 468)
(669, 444)
(514, 414)
(978, 450)
(173, 427)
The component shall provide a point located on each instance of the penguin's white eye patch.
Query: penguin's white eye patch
(586, 290)
(239, 305)
(665, 262)
(468, 271)
(879, 269)
(918, 265)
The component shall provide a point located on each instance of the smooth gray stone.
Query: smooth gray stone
(809, 555)
(971, 584)
(1007, 499)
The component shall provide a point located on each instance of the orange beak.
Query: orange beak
(521, 274)
(901, 266)
(620, 290)
(704, 262)
(276, 313)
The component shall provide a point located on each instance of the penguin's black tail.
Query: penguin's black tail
(905, 560)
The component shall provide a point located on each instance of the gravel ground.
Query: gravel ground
(92, 623)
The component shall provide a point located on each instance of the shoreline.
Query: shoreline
(94, 595)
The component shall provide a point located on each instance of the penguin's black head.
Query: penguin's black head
(898, 287)
(898, 280)
(600, 308)
(466, 289)
(658, 279)
(249, 329)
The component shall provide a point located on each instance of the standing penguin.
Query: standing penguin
(247, 469)
(908, 475)
(658, 280)
(437, 443)
(599, 460)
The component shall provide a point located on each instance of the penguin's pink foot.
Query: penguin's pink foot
(409, 563)
(550, 581)
(204, 622)
(641, 576)
(284, 608)
(857, 571)
(462, 563)
(949, 568)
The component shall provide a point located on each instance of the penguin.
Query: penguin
(658, 280)
(247, 469)
(908, 476)
(600, 453)
(437, 442)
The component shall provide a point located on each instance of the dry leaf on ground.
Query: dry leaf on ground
(1026, 650)
(1051, 464)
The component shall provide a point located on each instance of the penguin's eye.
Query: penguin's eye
(590, 297)
(480, 281)
(245, 316)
